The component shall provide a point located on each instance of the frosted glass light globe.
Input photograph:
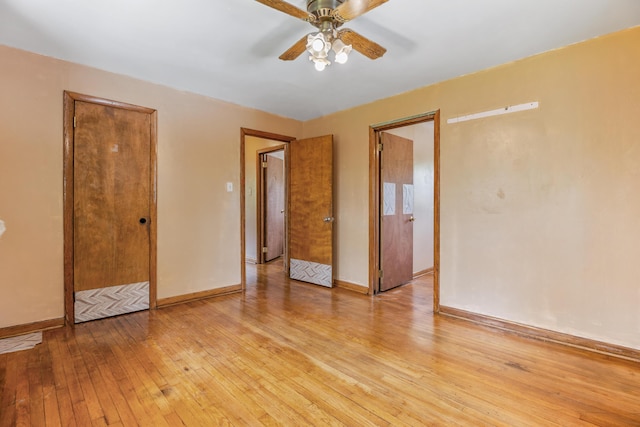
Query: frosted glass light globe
(342, 57)
(317, 45)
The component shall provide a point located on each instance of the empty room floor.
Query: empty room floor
(288, 353)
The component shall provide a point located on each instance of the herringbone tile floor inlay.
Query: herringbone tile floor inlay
(112, 301)
(311, 272)
(21, 342)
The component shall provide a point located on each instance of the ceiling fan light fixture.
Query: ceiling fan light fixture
(341, 51)
(327, 16)
(320, 66)
(317, 44)
(320, 63)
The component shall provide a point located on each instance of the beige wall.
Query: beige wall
(252, 145)
(198, 153)
(539, 209)
(423, 193)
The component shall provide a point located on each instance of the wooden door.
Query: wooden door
(111, 210)
(396, 220)
(311, 210)
(274, 207)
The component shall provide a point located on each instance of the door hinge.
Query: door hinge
(264, 165)
(380, 147)
(380, 274)
(75, 123)
(264, 250)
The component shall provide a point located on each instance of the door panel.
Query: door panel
(311, 210)
(396, 222)
(111, 210)
(274, 209)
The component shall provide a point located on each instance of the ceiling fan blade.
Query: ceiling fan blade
(351, 9)
(289, 9)
(296, 50)
(371, 50)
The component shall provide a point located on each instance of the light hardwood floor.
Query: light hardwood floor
(295, 354)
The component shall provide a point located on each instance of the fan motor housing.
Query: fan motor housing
(322, 8)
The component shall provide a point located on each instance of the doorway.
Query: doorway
(109, 208)
(308, 211)
(271, 201)
(254, 144)
(404, 202)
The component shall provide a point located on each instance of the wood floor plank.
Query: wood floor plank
(187, 364)
(99, 404)
(174, 420)
(8, 386)
(247, 372)
(50, 400)
(23, 415)
(8, 416)
(85, 401)
(383, 387)
(300, 388)
(66, 417)
(289, 353)
(133, 381)
(71, 403)
(179, 387)
(115, 388)
(319, 367)
(36, 392)
(153, 383)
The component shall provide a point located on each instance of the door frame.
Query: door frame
(69, 99)
(374, 199)
(244, 132)
(261, 202)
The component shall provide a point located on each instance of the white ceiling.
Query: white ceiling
(228, 49)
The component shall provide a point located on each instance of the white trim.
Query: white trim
(497, 112)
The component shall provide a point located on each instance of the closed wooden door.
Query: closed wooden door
(311, 210)
(111, 210)
(274, 207)
(396, 222)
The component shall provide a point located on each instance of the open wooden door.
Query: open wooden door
(274, 207)
(311, 210)
(396, 220)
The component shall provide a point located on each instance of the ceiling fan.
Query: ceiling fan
(327, 16)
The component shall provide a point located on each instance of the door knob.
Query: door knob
(328, 219)
(412, 219)
(143, 220)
